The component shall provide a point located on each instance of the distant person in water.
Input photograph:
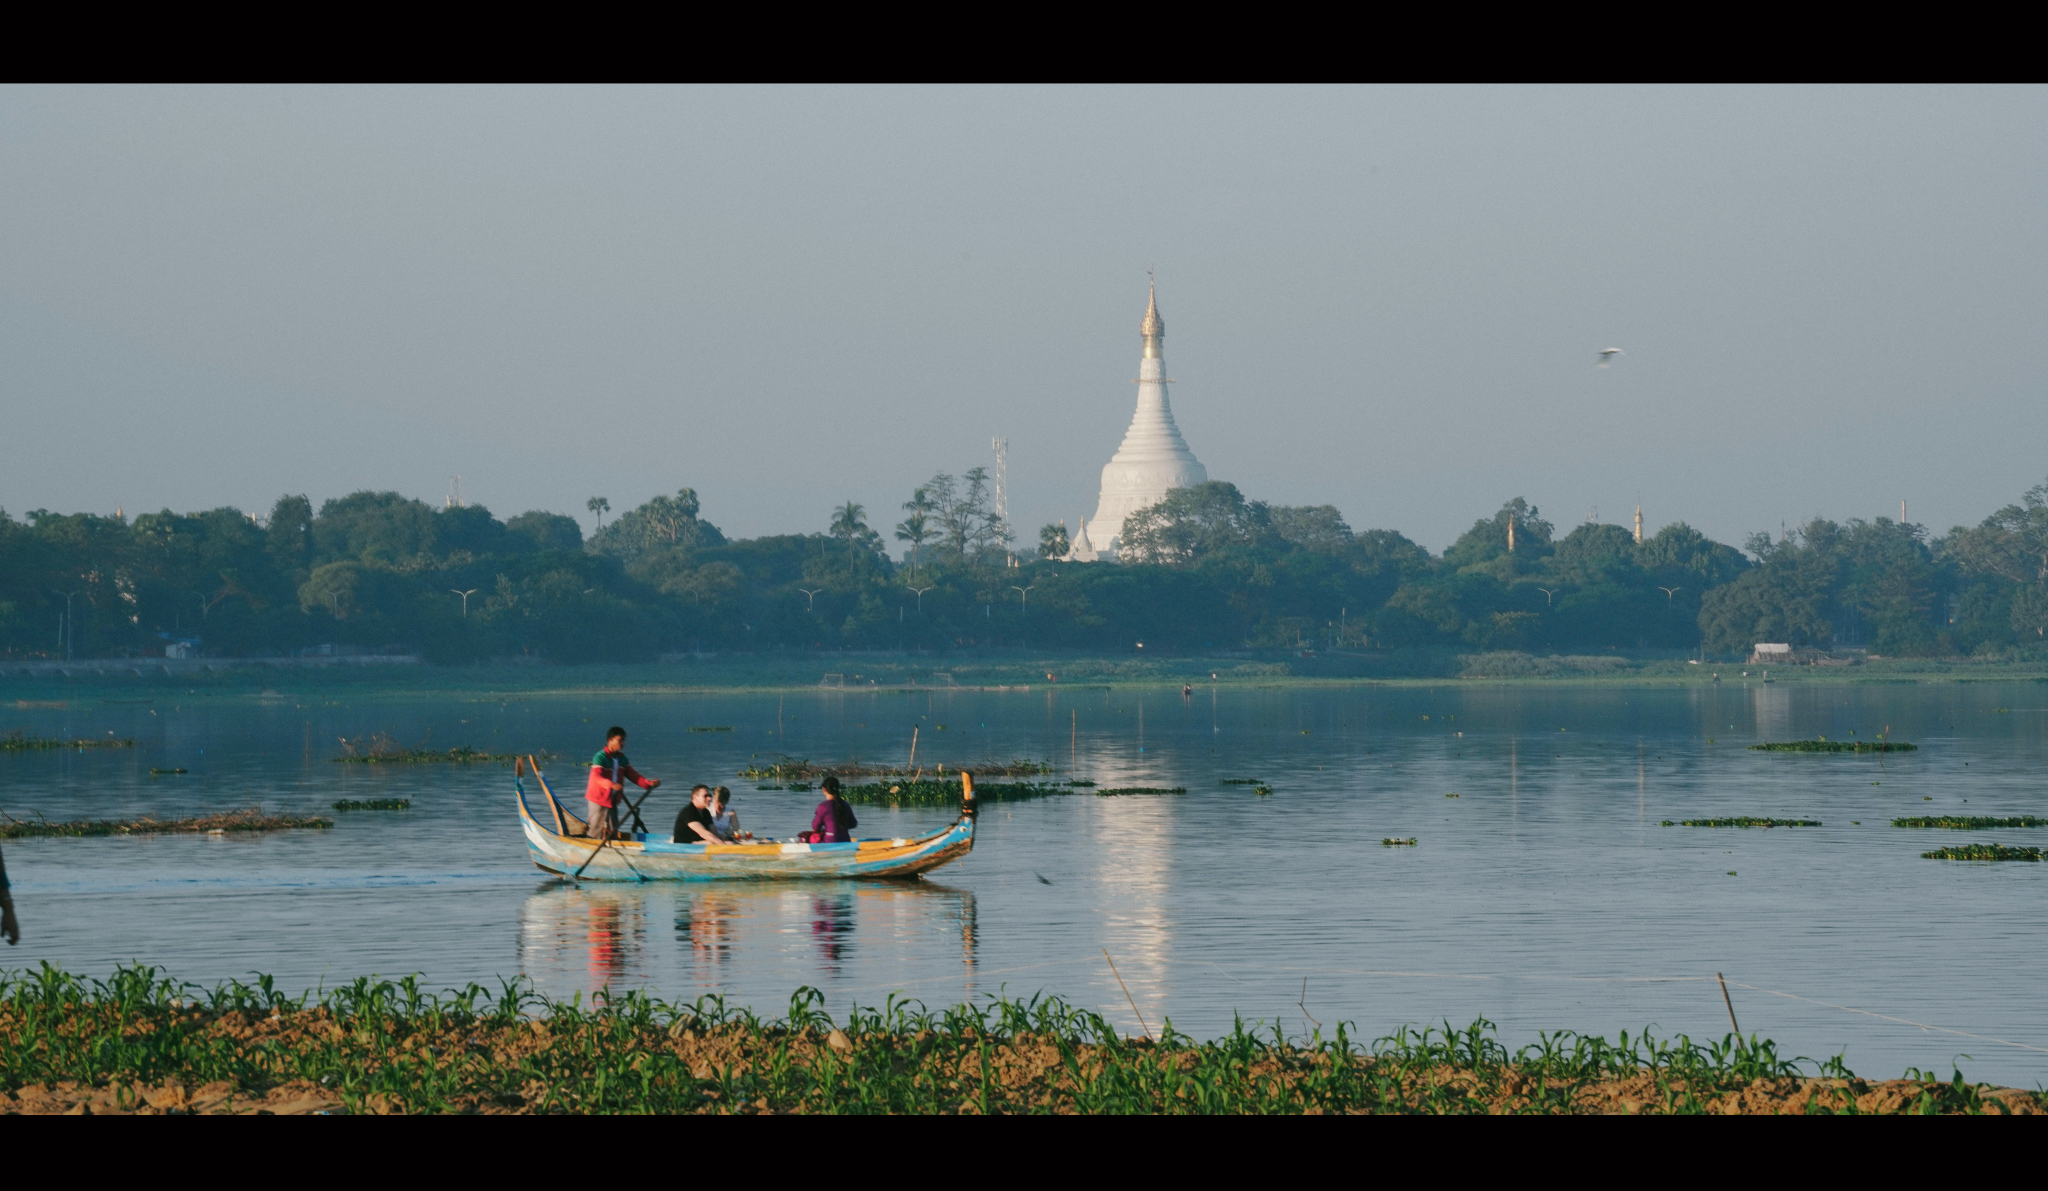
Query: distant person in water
(609, 773)
(693, 824)
(8, 926)
(833, 821)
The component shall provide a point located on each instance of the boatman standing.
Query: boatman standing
(609, 773)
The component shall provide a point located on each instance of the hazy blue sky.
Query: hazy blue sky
(1388, 300)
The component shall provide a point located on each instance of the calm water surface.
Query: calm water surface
(1545, 896)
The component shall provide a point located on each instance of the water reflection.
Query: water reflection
(831, 927)
(582, 937)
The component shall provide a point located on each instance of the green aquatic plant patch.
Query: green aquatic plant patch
(783, 768)
(252, 819)
(933, 792)
(19, 742)
(374, 804)
(1744, 821)
(1982, 852)
(1082, 783)
(139, 1041)
(1244, 781)
(1836, 746)
(1970, 822)
(1393, 842)
(461, 754)
(712, 728)
(156, 772)
(1122, 791)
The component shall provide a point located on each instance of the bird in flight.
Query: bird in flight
(1607, 354)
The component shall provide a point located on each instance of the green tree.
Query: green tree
(850, 522)
(916, 528)
(537, 530)
(1190, 524)
(665, 522)
(1053, 542)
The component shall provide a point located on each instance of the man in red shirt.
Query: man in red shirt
(609, 773)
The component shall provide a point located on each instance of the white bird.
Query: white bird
(1607, 354)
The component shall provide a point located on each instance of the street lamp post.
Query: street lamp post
(1025, 592)
(465, 599)
(810, 598)
(920, 597)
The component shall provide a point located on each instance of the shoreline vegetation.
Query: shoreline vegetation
(899, 673)
(139, 1042)
(223, 823)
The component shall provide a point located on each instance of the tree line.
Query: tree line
(1205, 570)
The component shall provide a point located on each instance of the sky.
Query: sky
(1389, 300)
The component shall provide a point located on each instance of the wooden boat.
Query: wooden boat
(554, 840)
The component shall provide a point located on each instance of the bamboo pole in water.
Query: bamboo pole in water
(1731, 1005)
(1128, 997)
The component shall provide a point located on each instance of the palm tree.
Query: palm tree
(849, 521)
(600, 506)
(916, 528)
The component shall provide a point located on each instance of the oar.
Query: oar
(632, 808)
(602, 845)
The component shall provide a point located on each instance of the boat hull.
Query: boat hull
(554, 849)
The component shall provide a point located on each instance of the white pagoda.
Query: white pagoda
(1153, 459)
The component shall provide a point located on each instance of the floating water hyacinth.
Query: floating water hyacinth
(1398, 843)
(380, 749)
(934, 792)
(1824, 745)
(1744, 821)
(1982, 852)
(374, 804)
(251, 819)
(16, 742)
(1119, 791)
(1243, 781)
(783, 768)
(155, 772)
(1970, 822)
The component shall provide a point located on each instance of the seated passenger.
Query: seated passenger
(693, 825)
(725, 823)
(833, 821)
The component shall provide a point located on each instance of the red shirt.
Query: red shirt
(608, 772)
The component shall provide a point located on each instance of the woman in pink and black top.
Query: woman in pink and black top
(609, 773)
(833, 821)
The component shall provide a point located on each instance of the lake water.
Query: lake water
(1545, 896)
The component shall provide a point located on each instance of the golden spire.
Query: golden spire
(1154, 327)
